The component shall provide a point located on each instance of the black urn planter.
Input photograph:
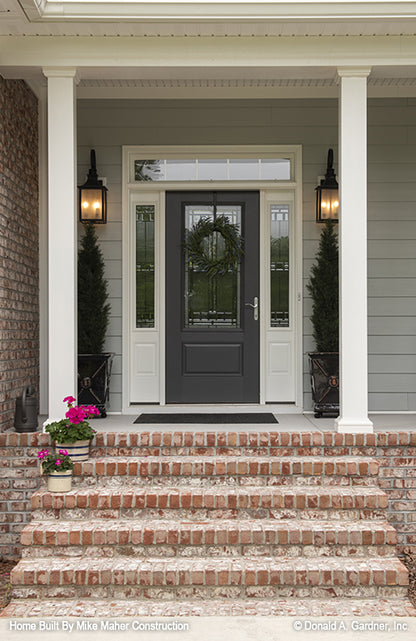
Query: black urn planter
(324, 372)
(94, 373)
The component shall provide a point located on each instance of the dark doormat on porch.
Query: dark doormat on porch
(246, 417)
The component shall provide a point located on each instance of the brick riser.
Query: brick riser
(233, 530)
(211, 503)
(224, 538)
(261, 470)
(103, 609)
(133, 498)
(190, 578)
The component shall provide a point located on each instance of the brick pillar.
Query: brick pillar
(19, 241)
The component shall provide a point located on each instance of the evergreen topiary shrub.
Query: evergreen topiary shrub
(323, 288)
(93, 308)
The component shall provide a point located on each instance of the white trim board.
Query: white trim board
(153, 380)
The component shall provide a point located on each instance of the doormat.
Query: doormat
(208, 418)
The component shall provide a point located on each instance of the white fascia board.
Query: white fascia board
(195, 53)
(236, 10)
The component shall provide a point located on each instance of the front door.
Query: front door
(212, 299)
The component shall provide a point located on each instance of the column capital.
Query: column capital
(62, 72)
(353, 72)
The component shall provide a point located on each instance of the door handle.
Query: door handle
(255, 307)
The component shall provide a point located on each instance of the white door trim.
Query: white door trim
(155, 191)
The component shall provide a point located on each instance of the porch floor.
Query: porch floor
(288, 422)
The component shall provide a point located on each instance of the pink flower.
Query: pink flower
(69, 399)
(91, 410)
(76, 415)
(63, 452)
(58, 461)
(43, 453)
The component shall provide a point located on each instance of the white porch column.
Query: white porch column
(353, 251)
(62, 247)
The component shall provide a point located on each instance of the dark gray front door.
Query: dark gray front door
(212, 328)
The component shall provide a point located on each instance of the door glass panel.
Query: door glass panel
(211, 301)
(145, 266)
(279, 265)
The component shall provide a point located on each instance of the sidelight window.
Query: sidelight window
(145, 265)
(279, 265)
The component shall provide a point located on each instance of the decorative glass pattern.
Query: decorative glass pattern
(279, 265)
(212, 302)
(145, 266)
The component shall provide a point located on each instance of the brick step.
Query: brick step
(195, 578)
(105, 609)
(247, 441)
(188, 469)
(275, 502)
(221, 538)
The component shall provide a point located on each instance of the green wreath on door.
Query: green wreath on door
(202, 259)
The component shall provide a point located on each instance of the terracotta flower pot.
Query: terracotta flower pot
(78, 451)
(60, 481)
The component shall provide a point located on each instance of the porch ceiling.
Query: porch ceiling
(210, 49)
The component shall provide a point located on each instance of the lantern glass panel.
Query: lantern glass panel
(329, 205)
(91, 204)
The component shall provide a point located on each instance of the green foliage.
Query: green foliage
(93, 309)
(323, 287)
(58, 462)
(64, 431)
(202, 251)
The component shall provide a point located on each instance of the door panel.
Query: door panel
(212, 331)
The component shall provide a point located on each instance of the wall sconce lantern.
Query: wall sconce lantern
(327, 195)
(93, 197)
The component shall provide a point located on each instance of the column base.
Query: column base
(353, 426)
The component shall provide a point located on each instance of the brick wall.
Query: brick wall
(395, 451)
(19, 272)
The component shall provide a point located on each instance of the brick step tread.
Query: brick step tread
(223, 532)
(227, 465)
(213, 497)
(243, 437)
(248, 571)
(111, 608)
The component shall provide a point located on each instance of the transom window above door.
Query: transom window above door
(207, 169)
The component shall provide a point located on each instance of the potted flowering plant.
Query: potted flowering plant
(73, 433)
(58, 467)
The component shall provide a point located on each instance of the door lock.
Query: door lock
(255, 306)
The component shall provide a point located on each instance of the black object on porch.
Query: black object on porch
(324, 373)
(94, 373)
(232, 418)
